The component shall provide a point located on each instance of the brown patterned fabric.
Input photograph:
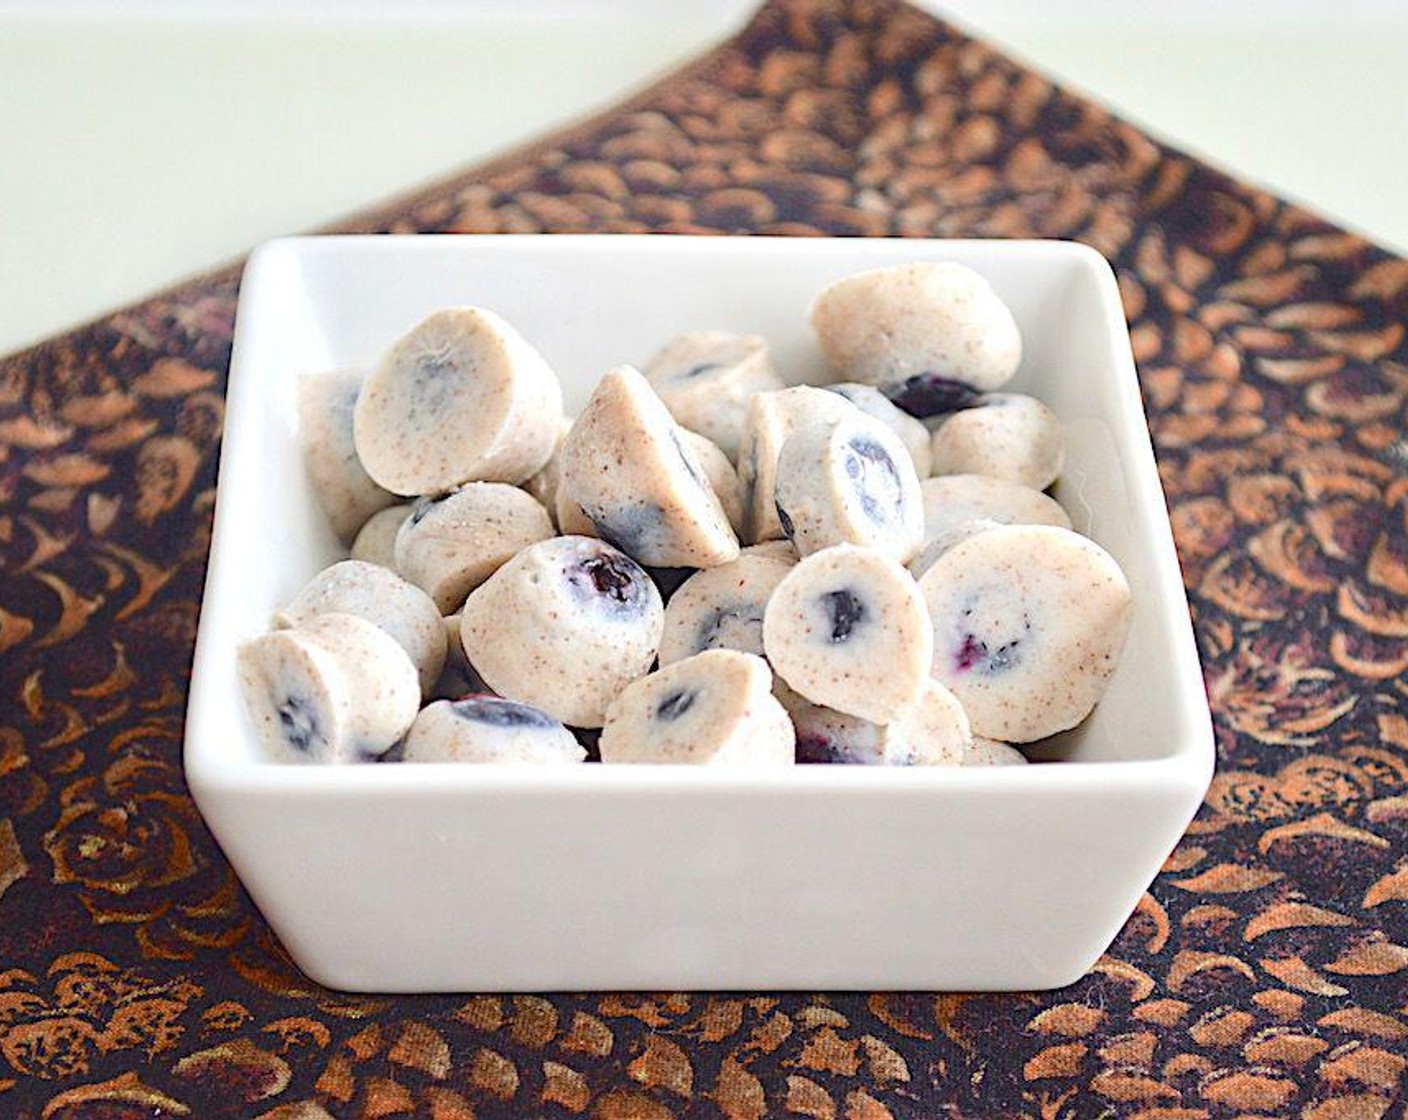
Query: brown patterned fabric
(1264, 973)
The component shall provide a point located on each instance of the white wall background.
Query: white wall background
(145, 139)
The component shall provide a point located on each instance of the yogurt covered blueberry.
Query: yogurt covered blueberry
(1028, 624)
(930, 334)
(715, 708)
(771, 419)
(952, 499)
(625, 463)
(344, 490)
(383, 598)
(1006, 435)
(489, 729)
(932, 731)
(849, 481)
(990, 752)
(452, 544)
(335, 689)
(462, 397)
(912, 433)
(847, 629)
(706, 379)
(564, 626)
(722, 608)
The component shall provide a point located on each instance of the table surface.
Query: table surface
(1264, 971)
(160, 139)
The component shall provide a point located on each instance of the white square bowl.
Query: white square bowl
(400, 878)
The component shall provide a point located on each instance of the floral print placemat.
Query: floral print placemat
(1265, 972)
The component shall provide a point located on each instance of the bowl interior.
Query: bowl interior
(592, 302)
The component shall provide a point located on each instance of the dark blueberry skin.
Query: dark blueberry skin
(926, 395)
(700, 369)
(668, 580)
(299, 724)
(590, 738)
(495, 711)
(612, 578)
(675, 705)
(846, 613)
(788, 529)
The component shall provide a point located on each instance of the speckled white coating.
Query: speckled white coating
(954, 498)
(849, 480)
(715, 708)
(343, 488)
(543, 485)
(933, 731)
(384, 599)
(718, 469)
(887, 325)
(1008, 435)
(722, 608)
(772, 417)
(626, 465)
(451, 545)
(706, 378)
(847, 629)
(944, 540)
(376, 540)
(991, 752)
(1028, 625)
(571, 520)
(783, 550)
(564, 626)
(489, 729)
(336, 689)
(462, 397)
(913, 433)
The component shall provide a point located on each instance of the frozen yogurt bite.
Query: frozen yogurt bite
(626, 464)
(564, 626)
(706, 379)
(715, 708)
(462, 397)
(932, 335)
(847, 629)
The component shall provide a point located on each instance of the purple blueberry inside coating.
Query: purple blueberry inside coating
(927, 394)
(632, 529)
(298, 724)
(675, 705)
(873, 468)
(974, 653)
(498, 712)
(614, 577)
(845, 611)
(701, 368)
(818, 748)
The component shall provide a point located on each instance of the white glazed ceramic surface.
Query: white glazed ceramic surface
(398, 878)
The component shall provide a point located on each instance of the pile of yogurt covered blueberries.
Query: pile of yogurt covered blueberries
(876, 614)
